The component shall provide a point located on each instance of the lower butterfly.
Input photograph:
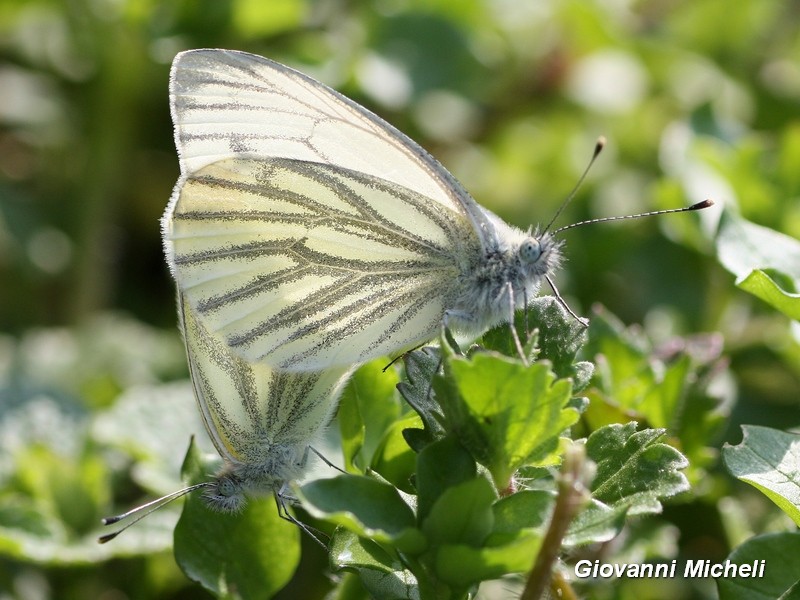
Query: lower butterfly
(261, 421)
(309, 233)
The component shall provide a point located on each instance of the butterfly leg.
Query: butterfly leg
(512, 307)
(458, 315)
(321, 457)
(281, 498)
(399, 356)
(562, 302)
(525, 304)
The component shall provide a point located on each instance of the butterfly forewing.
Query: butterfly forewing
(304, 266)
(227, 103)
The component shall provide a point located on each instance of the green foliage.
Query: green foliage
(506, 414)
(670, 388)
(768, 460)
(633, 470)
(780, 551)
(767, 265)
(766, 262)
(465, 515)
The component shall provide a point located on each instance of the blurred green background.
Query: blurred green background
(697, 98)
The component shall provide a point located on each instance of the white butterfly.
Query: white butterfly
(261, 421)
(310, 234)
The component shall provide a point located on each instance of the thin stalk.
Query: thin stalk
(572, 495)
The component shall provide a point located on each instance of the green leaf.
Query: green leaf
(560, 339)
(532, 509)
(365, 506)
(393, 458)
(462, 514)
(767, 459)
(382, 575)
(352, 430)
(743, 246)
(253, 553)
(766, 263)
(793, 593)
(634, 470)
(66, 489)
(780, 580)
(506, 414)
(28, 536)
(664, 399)
(623, 373)
(519, 523)
(775, 288)
(421, 367)
(631, 379)
(500, 340)
(349, 551)
(625, 377)
(596, 523)
(398, 585)
(674, 387)
(55, 485)
(157, 451)
(705, 409)
(526, 509)
(367, 408)
(521, 519)
(554, 334)
(441, 465)
(462, 566)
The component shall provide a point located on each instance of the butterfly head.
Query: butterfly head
(226, 493)
(539, 255)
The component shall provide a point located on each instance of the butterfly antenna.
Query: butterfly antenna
(697, 206)
(145, 509)
(598, 148)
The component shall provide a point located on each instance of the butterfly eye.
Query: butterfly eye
(227, 487)
(226, 495)
(530, 250)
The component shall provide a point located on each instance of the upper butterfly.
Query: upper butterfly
(310, 233)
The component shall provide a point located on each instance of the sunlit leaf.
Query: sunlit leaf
(768, 460)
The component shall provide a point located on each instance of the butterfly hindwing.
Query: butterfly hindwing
(260, 245)
(256, 416)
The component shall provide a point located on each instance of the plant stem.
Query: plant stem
(572, 494)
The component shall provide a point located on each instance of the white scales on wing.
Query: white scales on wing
(310, 233)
